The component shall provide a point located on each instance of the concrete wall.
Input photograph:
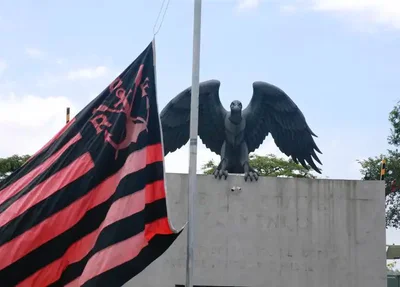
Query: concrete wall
(276, 233)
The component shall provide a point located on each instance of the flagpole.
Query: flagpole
(67, 115)
(194, 114)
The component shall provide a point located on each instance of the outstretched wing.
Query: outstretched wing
(272, 111)
(175, 118)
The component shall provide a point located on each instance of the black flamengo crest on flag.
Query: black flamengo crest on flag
(89, 208)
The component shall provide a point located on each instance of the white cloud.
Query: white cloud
(3, 66)
(335, 166)
(28, 122)
(385, 12)
(60, 61)
(29, 110)
(34, 53)
(359, 12)
(288, 9)
(52, 79)
(178, 161)
(356, 5)
(88, 73)
(247, 4)
(6, 87)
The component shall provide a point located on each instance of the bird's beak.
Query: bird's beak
(235, 109)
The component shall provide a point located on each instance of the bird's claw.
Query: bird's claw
(219, 173)
(252, 175)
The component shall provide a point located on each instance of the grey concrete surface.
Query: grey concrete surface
(276, 233)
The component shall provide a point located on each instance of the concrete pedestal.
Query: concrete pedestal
(276, 232)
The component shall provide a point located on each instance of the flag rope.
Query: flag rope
(156, 30)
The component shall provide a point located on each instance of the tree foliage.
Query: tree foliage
(10, 164)
(371, 170)
(394, 119)
(270, 165)
(390, 268)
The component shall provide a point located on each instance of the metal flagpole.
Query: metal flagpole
(194, 114)
(67, 115)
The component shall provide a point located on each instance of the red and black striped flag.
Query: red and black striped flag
(89, 208)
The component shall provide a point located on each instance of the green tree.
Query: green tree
(371, 170)
(11, 164)
(390, 267)
(269, 165)
(394, 119)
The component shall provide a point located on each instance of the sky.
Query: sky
(337, 59)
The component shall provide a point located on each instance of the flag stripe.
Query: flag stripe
(73, 152)
(47, 208)
(14, 188)
(55, 248)
(124, 272)
(122, 208)
(66, 196)
(120, 231)
(118, 253)
(69, 211)
(155, 191)
(160, 226)
(46, 188)
(81, 119)
(74, 212)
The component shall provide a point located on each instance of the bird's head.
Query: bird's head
(236, 107)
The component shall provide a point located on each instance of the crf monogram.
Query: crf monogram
(134, 126)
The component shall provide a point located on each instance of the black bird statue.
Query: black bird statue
(236, 133)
